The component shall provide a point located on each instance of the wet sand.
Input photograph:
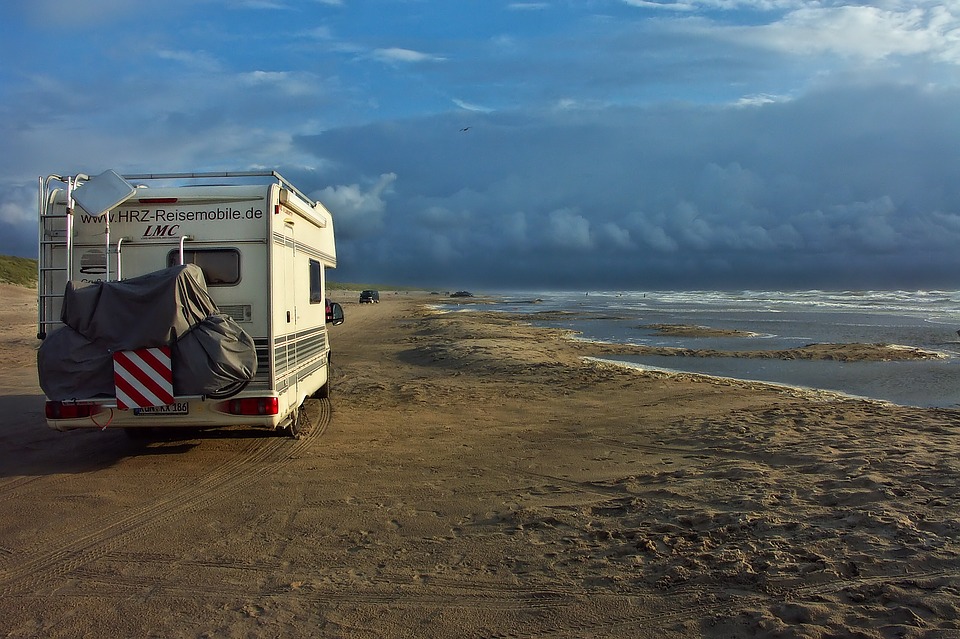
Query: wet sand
(472, 476)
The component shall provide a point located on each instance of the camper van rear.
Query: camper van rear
(259, 254)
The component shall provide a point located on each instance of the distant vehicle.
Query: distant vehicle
(461, 294)
(370, 297)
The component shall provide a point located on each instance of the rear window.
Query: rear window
(221, 267)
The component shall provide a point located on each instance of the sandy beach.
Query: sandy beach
(473, 476)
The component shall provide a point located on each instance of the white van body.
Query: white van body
(264, 249)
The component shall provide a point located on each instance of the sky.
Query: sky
(496, 145)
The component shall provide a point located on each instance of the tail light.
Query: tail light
(254, 406)
(61, 410)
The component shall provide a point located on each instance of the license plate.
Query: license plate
(176, 408)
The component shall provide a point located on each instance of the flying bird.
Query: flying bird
(464, 129)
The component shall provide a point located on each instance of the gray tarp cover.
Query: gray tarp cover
(210, 352)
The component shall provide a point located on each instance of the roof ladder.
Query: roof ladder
(55, 254)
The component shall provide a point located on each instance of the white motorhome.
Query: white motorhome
(263, 247)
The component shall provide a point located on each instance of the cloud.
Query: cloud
(285, 83)
(567, 229)
(18, 220)
(651, 234)
(19, 207)
(851, 31)
(358, 212)
(671, 6)
(865, 32)
(396, 55)
(759, 100)
(268, 5)
(466, 106)
(801, 191)
(196, 116)
(319, 33)
(194, 60)
(868, 226)
(611, 235)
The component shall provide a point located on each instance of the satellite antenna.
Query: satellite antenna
(101, 193)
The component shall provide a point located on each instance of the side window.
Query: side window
(221, 267)
(316, 283)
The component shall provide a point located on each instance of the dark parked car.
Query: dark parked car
(370, 297)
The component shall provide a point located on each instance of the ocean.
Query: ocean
(775, 320)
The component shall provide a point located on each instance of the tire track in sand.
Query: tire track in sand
(76, 548)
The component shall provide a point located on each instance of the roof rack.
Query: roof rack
(224, 174)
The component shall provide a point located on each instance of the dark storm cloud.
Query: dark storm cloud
(848, 186)
(18, 228)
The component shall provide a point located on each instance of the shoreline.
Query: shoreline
(845, 352)
(874, 385)
(806, 392)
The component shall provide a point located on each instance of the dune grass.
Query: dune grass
(21, 271)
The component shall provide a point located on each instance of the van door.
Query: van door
(289, 297)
